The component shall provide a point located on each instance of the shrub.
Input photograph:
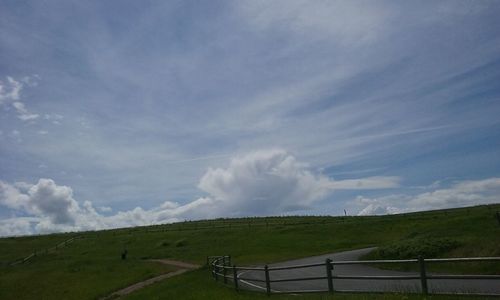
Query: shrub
(181, 243)
(412, 248)
(163, 244)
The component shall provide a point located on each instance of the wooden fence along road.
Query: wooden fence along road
(342, 272)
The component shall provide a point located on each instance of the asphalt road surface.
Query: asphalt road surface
(479, 286)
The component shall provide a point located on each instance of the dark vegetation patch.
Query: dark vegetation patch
(415, 247)
(163, 244)
(181, 243)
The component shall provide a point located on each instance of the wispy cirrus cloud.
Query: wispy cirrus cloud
(10, 96)
(151, 96)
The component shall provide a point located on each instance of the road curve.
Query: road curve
(479, 286)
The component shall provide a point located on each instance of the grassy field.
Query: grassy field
(91, 267)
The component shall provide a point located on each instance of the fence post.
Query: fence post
(216, 270)
(235, 277)
(329, 268)
(268, 282)
(423, 275)
(224, 269)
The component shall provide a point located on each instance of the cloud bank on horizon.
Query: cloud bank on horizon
(226, 108)
(262, 183)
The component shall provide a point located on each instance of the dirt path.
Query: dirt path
(183, 267)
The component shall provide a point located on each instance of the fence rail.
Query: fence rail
(221, 267)
(43, 251)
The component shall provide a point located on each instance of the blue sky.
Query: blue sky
(123, 113)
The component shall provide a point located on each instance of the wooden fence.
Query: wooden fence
(43, 251)
(222, 269)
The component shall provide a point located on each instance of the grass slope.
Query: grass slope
(91, 267)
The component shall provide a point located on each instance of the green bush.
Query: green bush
(181, 243)
(412, 248)
(163, 244)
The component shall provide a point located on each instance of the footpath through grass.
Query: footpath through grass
(91, 267)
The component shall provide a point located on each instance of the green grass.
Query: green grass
(83, 270)
(91, 267)
(20, 247)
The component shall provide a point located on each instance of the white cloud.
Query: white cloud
(54, 118)
(52, 208)
(345, 22)
(12, 197)
(10, 90)
(48, 199)
(22, 113)
(10, 93)
(262, 182)
(105, 209)
(23, 186)
(375, 182)
(15, 226)
(459, 194)
(373, 209)
(273, 181)
(31, 81)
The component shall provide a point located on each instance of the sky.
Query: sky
(128, 113)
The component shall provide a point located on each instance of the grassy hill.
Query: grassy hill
(91, 267)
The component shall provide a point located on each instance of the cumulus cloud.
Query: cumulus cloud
(42, 199)
(48, 199)
(373, 209)
(273, 181)
(12, 197)
(263, 182)
(16, 226)
(459, 194)
(259, 183)
(52, 208)
(105, 209)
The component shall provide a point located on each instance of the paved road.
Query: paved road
(436, 285)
